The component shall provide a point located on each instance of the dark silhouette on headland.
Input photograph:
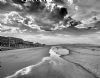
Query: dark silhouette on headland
(8, 43)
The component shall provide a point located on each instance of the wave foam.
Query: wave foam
(54, 52)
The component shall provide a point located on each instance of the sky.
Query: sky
(44, 24)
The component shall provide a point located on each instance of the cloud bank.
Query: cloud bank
(71, 19)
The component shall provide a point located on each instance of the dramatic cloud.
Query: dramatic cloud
(60, 18)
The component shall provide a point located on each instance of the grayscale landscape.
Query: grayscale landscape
(49, 38)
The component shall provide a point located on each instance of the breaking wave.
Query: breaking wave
(54, 59)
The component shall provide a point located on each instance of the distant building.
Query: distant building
(17, 43)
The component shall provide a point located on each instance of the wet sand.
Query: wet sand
(81, 62)
(13, 60)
